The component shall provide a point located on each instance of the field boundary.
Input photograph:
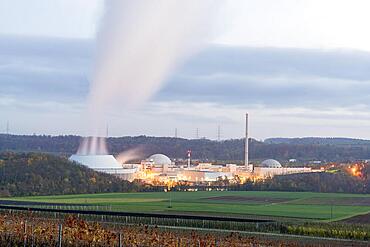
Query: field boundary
(132, 214)
(251, 217)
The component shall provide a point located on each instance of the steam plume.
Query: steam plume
(140, 43)
(131, 154)
(92, 145)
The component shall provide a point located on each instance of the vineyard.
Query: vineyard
(194, 219)
(27, 229)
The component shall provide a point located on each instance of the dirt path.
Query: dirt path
(358, 219)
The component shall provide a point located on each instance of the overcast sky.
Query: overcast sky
(300, 68)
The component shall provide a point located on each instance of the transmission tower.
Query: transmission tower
(7, 127)
(218, 133)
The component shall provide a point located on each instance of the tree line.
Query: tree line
(325, 182)
(32, 174)
(227, 150)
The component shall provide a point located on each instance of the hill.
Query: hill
(32, 174)
(318, 141)
(338, 182)
(282, 149)
(41, 174)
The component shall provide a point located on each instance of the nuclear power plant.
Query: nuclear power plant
(160, 168)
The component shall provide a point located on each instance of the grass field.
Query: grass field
(315, 206)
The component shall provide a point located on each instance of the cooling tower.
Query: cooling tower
(97, 162)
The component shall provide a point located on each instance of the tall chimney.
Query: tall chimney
(189, 158)
(246, 157)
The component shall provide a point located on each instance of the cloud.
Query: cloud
(293, 23)
(274, 77)
(58, 69)
(44, 69)
(57, 18)
(289, 92)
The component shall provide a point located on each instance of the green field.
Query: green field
(305, 205)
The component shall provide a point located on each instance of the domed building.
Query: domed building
(271, 167)
(157, 164)
(97, 162)
(159, 159)
(271, 163)
(104, 163)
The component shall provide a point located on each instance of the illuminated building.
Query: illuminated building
(160, 168)
(271, 167)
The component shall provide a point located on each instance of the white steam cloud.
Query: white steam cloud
(140, 43)
(130, 155)
(92, 145)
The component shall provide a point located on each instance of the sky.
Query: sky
(299, 67)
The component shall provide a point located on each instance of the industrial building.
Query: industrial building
(106, 164)
(160, 168)
(271, 167)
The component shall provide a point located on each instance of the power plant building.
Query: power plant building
(159, 167)
(106, 164)
(271, 167)
(102, 163)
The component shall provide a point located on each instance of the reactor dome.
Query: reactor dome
(270, 163)
(159, 159)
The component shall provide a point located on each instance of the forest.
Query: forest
(28, 174)
(339, 182)
(31, 174)
(232, 150)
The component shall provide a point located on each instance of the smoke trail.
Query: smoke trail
(140, 43)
